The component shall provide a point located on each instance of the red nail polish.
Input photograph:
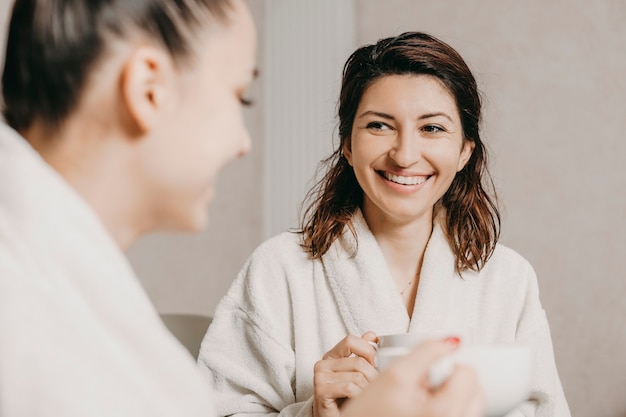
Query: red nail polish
(455, 341)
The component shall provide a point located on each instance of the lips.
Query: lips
(405, 180)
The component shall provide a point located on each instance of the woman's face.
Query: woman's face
(202, 129)
(406, 147)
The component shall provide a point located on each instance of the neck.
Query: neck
(96, 166)
(403, 243)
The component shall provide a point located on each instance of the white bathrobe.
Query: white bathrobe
(78, 335)
(284, 311)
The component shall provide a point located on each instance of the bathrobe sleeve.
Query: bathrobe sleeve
(247, 354)
(547, 396)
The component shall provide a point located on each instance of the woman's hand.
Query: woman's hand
(343, 373)
(403, 390)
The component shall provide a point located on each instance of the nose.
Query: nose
(406, 149)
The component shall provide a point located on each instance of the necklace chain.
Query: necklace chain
(407, 287)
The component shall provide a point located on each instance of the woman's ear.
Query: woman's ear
(466, 153)
(346, 150)
(146, 81)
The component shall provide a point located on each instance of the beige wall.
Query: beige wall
(302, 78)
(5, 9)
(553, 74)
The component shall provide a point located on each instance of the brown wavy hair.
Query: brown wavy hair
(471, 215)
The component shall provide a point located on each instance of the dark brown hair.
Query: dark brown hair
(53, 45)
(472, 219)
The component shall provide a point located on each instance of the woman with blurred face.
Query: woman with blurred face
(119, 116)
(400, 236)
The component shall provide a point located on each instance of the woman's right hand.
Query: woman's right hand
(343, 373)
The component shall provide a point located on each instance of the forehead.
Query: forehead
(230, 46)
(409, 92)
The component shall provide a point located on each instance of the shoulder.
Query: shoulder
(519, 287)
(18, 270)
(262, 293)
(282, 251)
(272, 265)
(510, 270)
(506, 258)
(287, 243)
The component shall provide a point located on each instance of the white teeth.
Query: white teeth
(405, 180)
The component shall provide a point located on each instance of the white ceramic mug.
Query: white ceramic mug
(392, 346)
(504, 371)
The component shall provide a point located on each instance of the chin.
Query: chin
(198, 224)
(191, 223)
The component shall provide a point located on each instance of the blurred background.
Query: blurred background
(553, 78)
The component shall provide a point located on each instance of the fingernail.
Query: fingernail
(453, 340)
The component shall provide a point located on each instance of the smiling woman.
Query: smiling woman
(406, 62)
(400, 236)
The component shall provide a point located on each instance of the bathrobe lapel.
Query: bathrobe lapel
(358, 275)
(436, 295)
(367, 296)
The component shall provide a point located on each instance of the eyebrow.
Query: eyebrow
(390, 117)
(377, 113)
(429, 115)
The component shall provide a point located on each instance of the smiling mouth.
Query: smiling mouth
(399, 179)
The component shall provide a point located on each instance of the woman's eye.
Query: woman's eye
(246, 102)
(433, 129)
(377, 126)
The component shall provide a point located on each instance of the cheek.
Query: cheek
(226, 139)
(446, 156)
(365, 151)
